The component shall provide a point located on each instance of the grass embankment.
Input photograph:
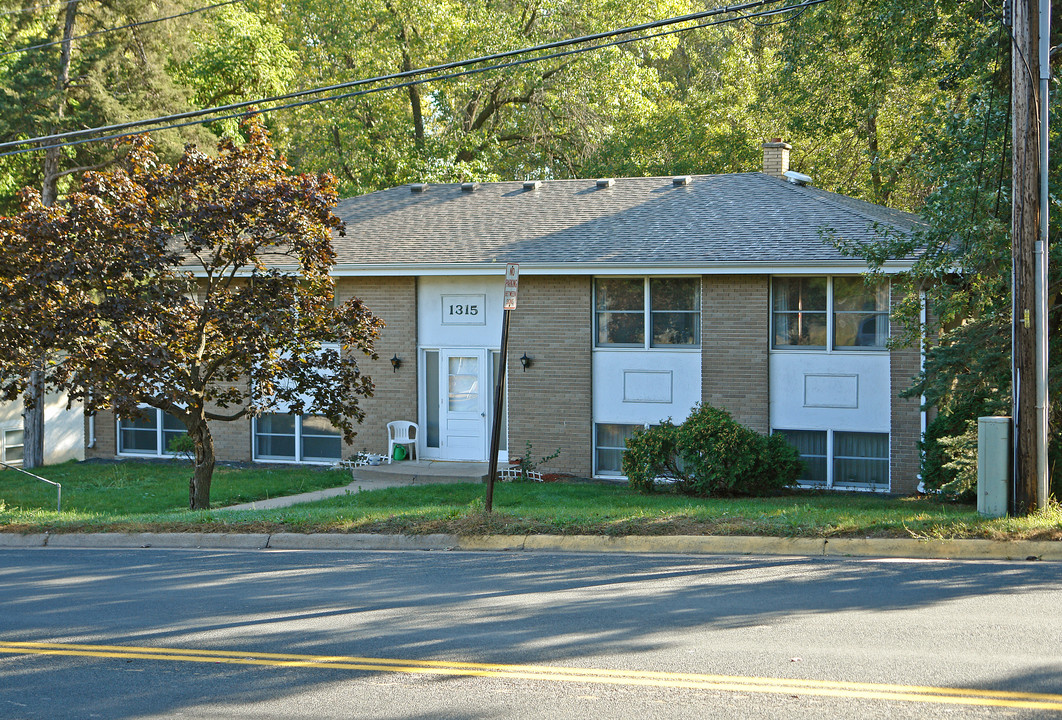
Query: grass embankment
(141, 497)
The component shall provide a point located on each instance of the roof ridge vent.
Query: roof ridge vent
(469, 186)
(605, 182)
(418, 187)
(532, 184)
(681, 180)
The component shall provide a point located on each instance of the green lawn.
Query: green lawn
(151, 496)
(133, 487)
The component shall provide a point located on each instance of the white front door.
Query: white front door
(463, 393)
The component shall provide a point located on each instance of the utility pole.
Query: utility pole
(1029, 249)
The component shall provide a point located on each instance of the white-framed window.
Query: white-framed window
(283, 437)
(825, 313)
(150, 434)
(11, 440)
(642, 312)
(842, 459)
(610, 440)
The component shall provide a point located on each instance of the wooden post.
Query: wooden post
(1025, 229)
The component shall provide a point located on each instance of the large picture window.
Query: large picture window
(665, 311)
(296, 438)
(149, 434)
(806, 311)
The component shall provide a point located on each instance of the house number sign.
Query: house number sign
(464, 310)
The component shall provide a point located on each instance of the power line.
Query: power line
(120, 27)
(393, 76)
(48, 140)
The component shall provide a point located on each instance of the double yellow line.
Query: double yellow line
(866, 691)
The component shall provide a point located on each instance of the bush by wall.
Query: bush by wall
(710, 454)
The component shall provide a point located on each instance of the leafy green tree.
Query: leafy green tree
(965, 263)
(540, 120)
(201, 289)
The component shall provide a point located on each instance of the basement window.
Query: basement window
(283, 437)
(149, 434)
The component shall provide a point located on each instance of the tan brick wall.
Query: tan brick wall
(395, 396)
(906, 420)
(394, 300)
(106, 436)
(735, 326)
(549, 404)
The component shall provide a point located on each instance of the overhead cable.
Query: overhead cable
(120, 27)
(255, 105)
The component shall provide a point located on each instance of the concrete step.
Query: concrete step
(418, 472)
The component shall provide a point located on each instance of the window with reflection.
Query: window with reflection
(860, 313)
(665, 310)
(799, 312)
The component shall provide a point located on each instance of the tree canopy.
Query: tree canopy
(201, 289)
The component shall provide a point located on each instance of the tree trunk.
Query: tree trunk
(199, 485)
(33, 418)
(33, 424)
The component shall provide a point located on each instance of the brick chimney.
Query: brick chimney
(776, 157)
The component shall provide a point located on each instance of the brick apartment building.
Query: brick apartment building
(638, 297)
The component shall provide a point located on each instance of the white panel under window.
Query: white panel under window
(646, 386)
(814, 390)
(831, 391)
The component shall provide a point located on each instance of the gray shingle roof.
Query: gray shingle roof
(735, 219)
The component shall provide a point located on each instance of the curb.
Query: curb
(665, 544)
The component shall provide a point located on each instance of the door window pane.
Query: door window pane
(861, 313)
(799, 313)
(464, 384)
(431, 398)
(620, 311)
(812, 447)
(675, 311)
(861, 460)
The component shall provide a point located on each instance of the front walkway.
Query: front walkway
(377, 477)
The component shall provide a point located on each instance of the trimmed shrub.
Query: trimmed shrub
(710, 454)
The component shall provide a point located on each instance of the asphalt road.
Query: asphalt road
(156, 633)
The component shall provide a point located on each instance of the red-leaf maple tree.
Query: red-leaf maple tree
(201, 289)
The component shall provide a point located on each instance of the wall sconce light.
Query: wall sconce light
(396, 362)
(525, 362)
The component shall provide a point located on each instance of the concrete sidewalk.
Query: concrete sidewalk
(378, 477)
